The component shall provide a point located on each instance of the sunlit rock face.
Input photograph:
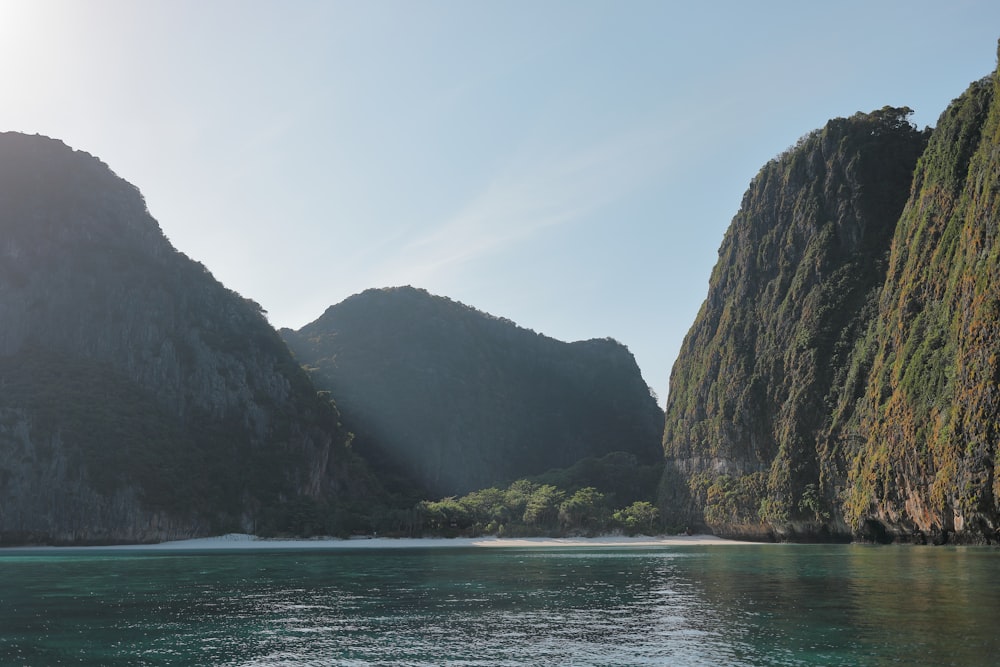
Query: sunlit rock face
(455, 399)
(841, 380)
(794, 289)
(924, 427)
(141, 400)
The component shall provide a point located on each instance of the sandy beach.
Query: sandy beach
(242, 541)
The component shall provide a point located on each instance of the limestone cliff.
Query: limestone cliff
(140, 399)
(842, 378)
(919, 426)
(791, 292)
(456, 400)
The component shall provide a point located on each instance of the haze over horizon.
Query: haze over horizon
(571, 166)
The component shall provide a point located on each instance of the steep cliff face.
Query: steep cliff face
(843, 377)
(139, 399)
(792, 290)
(459, 400)
(919, 429)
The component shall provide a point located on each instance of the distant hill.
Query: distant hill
(140, 400)
(842, 379)
(452, 399)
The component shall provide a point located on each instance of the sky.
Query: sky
(569, 165)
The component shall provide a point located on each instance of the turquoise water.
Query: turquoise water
(685, 605)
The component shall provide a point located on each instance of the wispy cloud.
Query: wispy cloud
(534, 192)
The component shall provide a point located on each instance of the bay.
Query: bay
(683, 605)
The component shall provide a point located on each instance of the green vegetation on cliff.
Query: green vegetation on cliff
(795, 280)
(842, 378)
(920, 442)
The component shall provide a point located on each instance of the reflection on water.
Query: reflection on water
(734, 605)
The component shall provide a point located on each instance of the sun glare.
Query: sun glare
(14, 17)
(19, 39)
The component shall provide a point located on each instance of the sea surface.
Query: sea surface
(683, 605)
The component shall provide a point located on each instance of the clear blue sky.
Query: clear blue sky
(569, 165)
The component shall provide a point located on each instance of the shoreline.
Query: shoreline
(235, 541)
(242, 541)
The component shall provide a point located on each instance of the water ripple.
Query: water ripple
(749, 606)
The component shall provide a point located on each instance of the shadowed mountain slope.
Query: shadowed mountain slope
(140, 400)
(456, 400)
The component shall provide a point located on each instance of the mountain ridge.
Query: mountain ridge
(145, 401)
(385, 354)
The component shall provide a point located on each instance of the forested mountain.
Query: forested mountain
(841, 379)
(454, 399)
(140, 400)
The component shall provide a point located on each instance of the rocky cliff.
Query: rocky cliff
(456, 400)
(918, 427)
(790, 293)
(140, 400)
(841, 380)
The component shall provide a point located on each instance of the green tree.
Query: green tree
(639, 517)
(486, 508)
(446, 515)
(584, 510)
(516, 498)
(542, 509)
